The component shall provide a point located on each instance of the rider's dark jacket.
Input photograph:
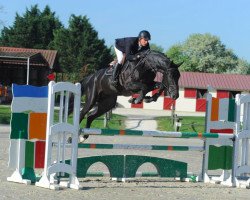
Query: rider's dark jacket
(129, 46)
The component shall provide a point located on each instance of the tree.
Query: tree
(243, 67)
(156, 47)
(79, 47)
(203, 53)
(32, 30)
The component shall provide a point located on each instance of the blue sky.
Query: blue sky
(169, 21)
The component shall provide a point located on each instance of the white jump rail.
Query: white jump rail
(58, 132)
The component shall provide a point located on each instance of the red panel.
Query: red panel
(168, 102)
(140, 105)
(190, 93)
(39, 154)
(222, 131)
(201, 105)
(223, 94)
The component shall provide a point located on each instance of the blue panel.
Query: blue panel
(29, 91)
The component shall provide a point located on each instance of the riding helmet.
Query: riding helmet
(145, 34)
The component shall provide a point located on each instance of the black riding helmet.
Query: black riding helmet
(145, 34)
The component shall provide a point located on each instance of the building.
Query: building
(27, 66)
(193, 87)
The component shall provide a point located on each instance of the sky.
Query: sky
(170, 22)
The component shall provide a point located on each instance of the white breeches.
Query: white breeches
(119, 55)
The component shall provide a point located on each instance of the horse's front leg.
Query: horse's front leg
(149, 99)
(140, 89)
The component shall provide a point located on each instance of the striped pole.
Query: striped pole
(113, 132)
(140, 147)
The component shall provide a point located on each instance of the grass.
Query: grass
(5, 114)
(189, 124)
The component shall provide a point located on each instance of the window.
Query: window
(201, 94)
(233, 93)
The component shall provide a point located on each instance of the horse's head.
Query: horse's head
(169, 69)
(170, 80)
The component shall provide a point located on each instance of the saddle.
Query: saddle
(110, 69)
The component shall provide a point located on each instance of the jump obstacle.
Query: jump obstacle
(223, 127)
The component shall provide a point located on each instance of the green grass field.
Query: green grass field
(189, 124)
(4, 114)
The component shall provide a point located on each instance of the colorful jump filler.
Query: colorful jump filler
(28, 131)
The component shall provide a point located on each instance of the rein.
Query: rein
(140, 62)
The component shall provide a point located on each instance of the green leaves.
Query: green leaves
(81, 52)
(206, 53)
(32, 30)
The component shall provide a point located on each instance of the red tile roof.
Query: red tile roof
(49, 55)
(231, 82)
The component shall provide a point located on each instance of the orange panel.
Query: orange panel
(37, 126)
(215, 109)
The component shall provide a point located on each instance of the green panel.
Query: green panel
(231, 110)
(29, 173)
(220, 157)
(114, 163)
(29, 154)
(165, 167)
(19, 126)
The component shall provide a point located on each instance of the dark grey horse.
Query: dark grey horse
(135, 77)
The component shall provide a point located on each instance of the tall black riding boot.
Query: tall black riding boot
(116, 74)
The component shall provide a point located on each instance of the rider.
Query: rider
(126, 48)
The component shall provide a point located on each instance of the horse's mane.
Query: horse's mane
(157, 57)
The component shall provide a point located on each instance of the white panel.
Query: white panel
(158, 105)
(17, 154)
(21, 104)
(223, 109)
(123, 102)
(185, 105)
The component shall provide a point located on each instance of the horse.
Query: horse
(135, 77)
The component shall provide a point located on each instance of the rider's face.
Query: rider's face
(143, 42)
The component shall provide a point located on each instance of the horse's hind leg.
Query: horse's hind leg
(102, 107)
